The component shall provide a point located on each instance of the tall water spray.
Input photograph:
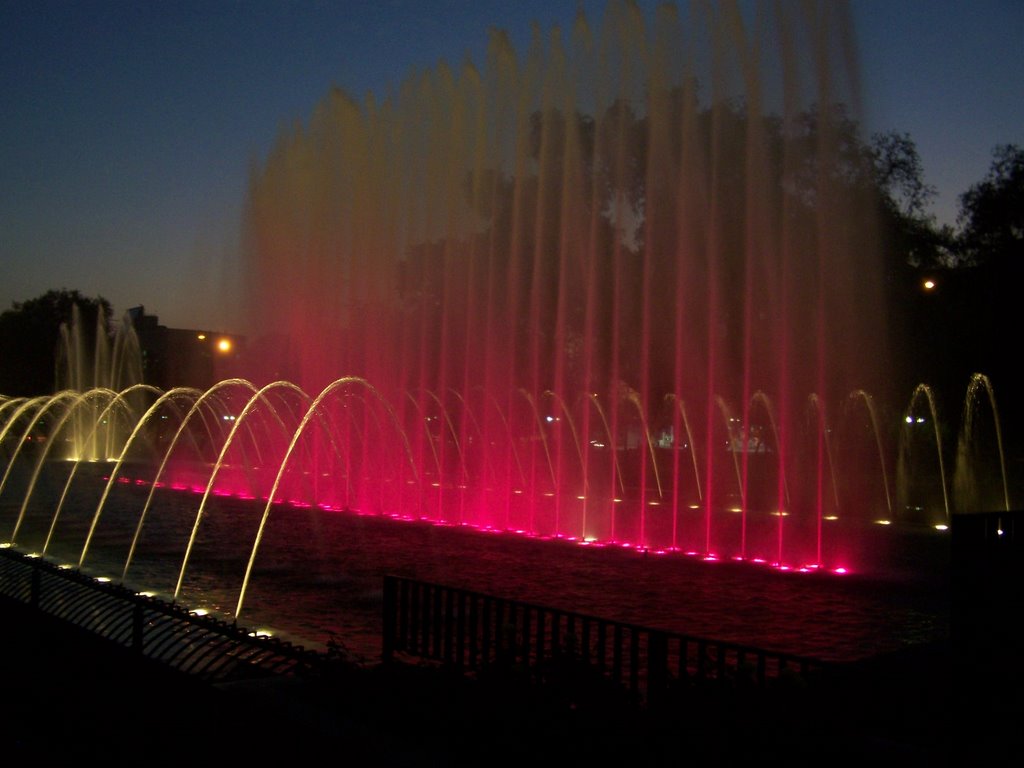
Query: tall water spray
(592, 275)
(90, 359)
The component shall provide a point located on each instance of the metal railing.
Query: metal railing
(476, 633)
(204, 646)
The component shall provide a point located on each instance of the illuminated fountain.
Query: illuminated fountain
(612, 288)
(90, 359)
(609, 292)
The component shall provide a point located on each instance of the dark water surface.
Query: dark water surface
(318, 575)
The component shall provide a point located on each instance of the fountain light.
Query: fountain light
(103, 579)
(830, 517)
(883, 522)
(5, 545)
(199, 612)
(941, 527)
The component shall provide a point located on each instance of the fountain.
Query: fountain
(546, 263)
(110, 362)
(609, 292)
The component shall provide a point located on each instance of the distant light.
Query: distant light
(928, 284)
(201, 337)
(999, 531)
(840, 571)
(224, 345)
(883, 522)
(831, 517)
(941, 527)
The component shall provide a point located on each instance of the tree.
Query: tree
(992, 211)
(913, 235)
(30, 336)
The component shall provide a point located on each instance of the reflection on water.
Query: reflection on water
(318, 576)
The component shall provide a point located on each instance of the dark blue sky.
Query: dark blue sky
(127, 128)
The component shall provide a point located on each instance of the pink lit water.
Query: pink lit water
(319, 574)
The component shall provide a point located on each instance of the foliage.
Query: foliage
(992, 211)
(912, 235)
(30, 335)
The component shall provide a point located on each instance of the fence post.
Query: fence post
(390, 610)
(137, 626)
(34, 584)
(657, 667)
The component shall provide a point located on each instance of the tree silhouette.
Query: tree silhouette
(30, 334)
(992, 211)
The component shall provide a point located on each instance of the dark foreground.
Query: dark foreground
(72, 698)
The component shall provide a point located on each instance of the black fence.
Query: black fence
(203, 646)
(477, 633)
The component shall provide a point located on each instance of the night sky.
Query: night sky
(127, 129)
